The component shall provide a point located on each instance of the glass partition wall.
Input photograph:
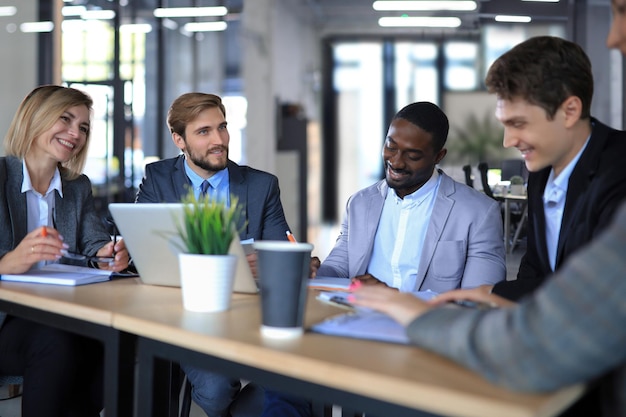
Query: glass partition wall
(134, 62)
(373, 79)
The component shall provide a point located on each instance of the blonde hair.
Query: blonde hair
(37, 113)
(187, 107)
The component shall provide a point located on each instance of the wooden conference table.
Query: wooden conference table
(381, 379)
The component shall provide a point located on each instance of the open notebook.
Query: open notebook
(60, 274)
(149, 231)
(364, 323)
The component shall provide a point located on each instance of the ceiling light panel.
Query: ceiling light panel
(423, 5)
(432, 22)
(191, 11)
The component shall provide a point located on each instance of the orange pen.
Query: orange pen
(290, 236)
(44, 231)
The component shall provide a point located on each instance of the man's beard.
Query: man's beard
(203, 163)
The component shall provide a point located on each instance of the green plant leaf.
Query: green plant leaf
(208, 226)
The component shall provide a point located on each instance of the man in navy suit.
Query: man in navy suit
(544, 88)
(197, 122)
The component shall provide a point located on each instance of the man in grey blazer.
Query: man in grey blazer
(418, 229)
(197, 122)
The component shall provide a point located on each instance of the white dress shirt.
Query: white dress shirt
(400, 235)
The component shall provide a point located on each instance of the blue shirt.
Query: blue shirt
(220, 184)
(400, 235)
(554, 196)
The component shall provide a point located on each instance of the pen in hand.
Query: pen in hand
(290, 236)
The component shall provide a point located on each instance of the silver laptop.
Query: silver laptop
(151, 237)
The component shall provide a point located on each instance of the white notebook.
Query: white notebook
(61, 274)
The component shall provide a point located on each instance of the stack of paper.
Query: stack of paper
(329, 283)
(60, 274)
(364, 323)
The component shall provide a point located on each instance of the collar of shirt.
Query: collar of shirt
(55, 184)
(220, 184)
(556, 188)
(418, 196)
(554, 197)
(400, 235)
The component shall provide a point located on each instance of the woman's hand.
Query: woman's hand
(480, 294)
(402, 307)
(120, 253)
(42, 244)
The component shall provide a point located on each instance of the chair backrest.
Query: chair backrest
(511, 167)
(483, 167)
(10, 386)
(468, 175)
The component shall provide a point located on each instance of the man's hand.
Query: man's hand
(252, 258)
(315, 264)
(369, 279)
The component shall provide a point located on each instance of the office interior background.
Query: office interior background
(309, 85)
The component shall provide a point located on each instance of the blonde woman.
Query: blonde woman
(46, 212)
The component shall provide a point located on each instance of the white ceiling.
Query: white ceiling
(358, 16)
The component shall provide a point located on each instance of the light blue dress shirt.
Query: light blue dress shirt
(220, 184)
(554, 196)
(400, 235)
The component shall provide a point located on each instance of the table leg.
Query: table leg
(507, 225)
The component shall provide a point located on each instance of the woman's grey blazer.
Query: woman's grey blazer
(75, 215)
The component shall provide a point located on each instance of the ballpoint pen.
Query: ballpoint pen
(290, 236)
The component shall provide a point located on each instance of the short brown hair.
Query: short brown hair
(37, 113)
(187, 108)
(544, 70)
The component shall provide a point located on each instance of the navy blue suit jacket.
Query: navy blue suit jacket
(596, 187)
(165, 181)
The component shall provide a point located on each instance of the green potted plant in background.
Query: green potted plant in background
(207, 270)
(516, 186)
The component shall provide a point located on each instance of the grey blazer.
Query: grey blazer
(165, 181)
(463, 246)
(570, 330)
(76, 217)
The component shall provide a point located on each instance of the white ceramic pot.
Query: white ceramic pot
(207, 281)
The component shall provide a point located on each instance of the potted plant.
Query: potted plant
(516, 186)
(207, 229)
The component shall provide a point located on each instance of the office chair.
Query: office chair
(511, 167)
(468, 175)
(13, 386)
(185, 407)
(483, 167)
(517, 214)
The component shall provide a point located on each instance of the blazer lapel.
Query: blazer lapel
(180, 177)
(239, 188)
(581, 176)
(438, 218)
(536, 188)
(362, 242)
(64, 220)
(17, 205)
